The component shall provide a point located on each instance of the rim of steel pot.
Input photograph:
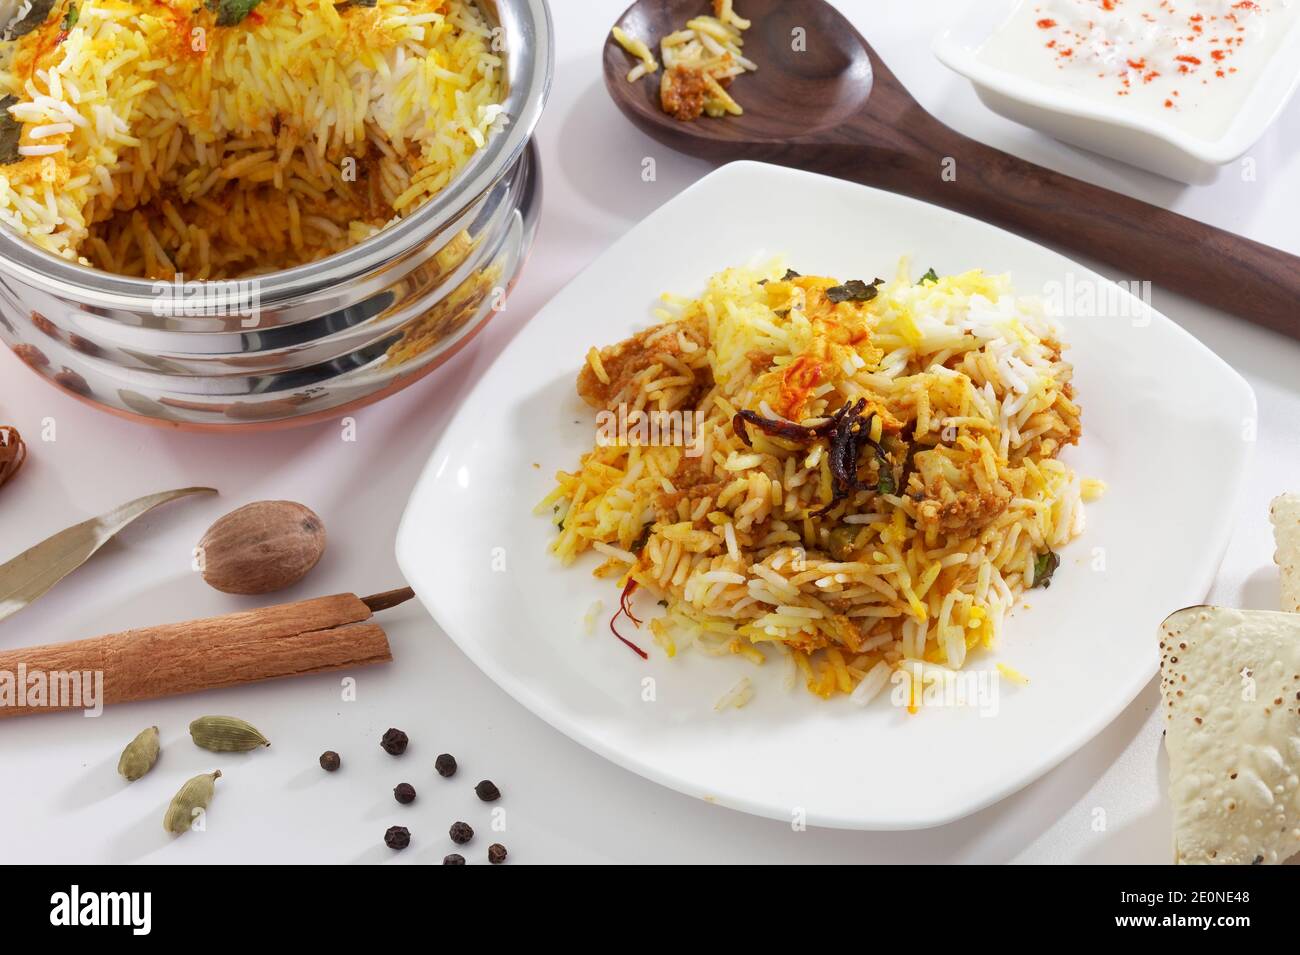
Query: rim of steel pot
(530, 63)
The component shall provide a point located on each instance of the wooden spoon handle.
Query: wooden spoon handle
(909, 152)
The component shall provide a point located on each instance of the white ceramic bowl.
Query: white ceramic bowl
(1105, 128)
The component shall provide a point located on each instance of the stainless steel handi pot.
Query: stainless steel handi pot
(313, 341)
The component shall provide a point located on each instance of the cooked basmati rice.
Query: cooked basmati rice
(970, 402)
(700, 61)
(154, 141)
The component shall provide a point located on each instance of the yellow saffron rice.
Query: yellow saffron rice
(152, 139)
(959, 503)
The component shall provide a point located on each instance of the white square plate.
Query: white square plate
(1164, 424)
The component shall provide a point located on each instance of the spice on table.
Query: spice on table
(329, 761)
(13, 452)
(295, 639)
(261, 547)
(461, 833)
(404, 793)
(192, 800)
(496, 853)
(395, 742)
(226, 734)
(445, 765)
(454, 859)
(397, 837)
(140, 755)
(487, 791)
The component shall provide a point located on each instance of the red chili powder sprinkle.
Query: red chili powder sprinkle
(1046, 23)
(1169, 104)
(1218, 55)
(1195, 61)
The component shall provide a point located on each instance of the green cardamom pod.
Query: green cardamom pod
(226, 734)
(140, 755)
(186, 804)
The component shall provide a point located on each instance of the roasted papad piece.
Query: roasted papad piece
(1230, 688)
(1284, 512)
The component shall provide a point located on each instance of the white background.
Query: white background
(61, 800)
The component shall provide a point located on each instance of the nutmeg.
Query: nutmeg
(261, 547)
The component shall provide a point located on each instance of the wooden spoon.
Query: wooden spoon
(835, 108)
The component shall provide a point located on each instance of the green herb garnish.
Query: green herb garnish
(930, 276)
(1045, 565)
(11, 133)
(789, 274)
(70, 19)
(232, 12)
(642, 539)
(854, 290)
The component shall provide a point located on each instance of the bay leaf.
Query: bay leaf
(34, 18)
(36, 570)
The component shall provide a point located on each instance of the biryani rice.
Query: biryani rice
(969, 397)
(155, 142)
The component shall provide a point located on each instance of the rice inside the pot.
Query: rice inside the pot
(161, 137)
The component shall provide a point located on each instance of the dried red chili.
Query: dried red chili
(848, 432)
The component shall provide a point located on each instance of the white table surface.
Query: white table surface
(62, 801)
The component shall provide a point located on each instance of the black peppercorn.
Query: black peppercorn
(487, 791)
(395, 742)
(398, 837)
(445, 765)
(404, 793)
(460, 833)
(496, 853)
(329, 761)
(453, 859)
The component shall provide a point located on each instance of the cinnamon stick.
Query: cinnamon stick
(310, 636)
